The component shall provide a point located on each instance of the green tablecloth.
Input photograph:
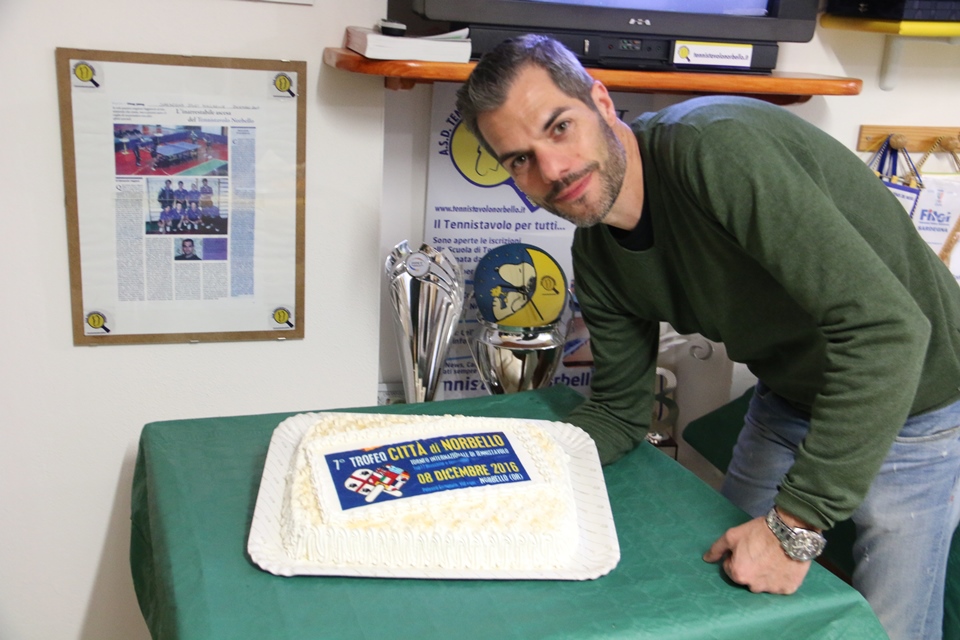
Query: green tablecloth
(194, 490)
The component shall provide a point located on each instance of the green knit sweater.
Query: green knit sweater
(773, 238)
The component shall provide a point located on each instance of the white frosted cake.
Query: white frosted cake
(425, 492)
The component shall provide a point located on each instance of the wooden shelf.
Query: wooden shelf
(779, 88)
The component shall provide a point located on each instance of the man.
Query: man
(165, 225)
(193, 196)
(178, 220)
(180, 196)
(193, 216)
(186, 251)
(735, 219)
(212, 221)
(166, 196)
(206, 195)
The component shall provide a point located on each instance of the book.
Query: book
(454, 46)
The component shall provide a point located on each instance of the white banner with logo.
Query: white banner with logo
(936, 216)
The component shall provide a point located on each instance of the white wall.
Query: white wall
(70, 416)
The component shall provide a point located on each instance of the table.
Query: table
(176, 152)
(195, 486)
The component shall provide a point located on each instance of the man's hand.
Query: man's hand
(752, 556)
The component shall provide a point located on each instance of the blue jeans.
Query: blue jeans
(904, 525)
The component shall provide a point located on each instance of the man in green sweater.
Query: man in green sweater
(735, 219)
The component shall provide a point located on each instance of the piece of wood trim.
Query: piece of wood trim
(918, 139)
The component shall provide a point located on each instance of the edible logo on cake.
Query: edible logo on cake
(418, 467)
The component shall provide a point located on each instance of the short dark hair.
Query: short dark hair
(486, 88)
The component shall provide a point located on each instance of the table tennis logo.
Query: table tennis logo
(519, 285)
(84, 75)
(96, 323)
(283, 86)
(282, 318)
(385, 480)
(474, 162)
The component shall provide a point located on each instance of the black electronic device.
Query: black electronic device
(728, 35)
(626, 51)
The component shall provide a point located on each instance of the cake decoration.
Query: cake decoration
(428, 465)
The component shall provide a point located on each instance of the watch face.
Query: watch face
(805, 545)
(519, 285)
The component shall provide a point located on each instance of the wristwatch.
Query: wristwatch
(799, 544)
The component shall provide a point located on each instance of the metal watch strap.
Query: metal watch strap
(799, 544)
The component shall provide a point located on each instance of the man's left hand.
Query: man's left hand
(752, 556)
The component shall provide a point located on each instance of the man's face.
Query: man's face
(187, 247)
(560, 152)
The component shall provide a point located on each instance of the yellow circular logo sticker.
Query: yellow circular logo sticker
(283, 83)
(282, 316)
(97, 320)
(84, 73)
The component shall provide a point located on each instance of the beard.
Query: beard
(610, 171)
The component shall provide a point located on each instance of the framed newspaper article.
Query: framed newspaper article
(184, 184)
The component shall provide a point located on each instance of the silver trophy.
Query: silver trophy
(511, 359)
(426, 294)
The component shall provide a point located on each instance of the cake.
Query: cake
(429, 492)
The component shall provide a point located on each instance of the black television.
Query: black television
(726, 35)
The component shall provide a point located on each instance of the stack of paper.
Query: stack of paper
(454, 46)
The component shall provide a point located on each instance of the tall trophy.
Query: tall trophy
(426, 295)
(521, 296)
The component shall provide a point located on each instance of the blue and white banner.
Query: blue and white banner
(417, 467)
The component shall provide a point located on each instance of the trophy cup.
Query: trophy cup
(521, 297)
(426, 294)
(511, 359)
